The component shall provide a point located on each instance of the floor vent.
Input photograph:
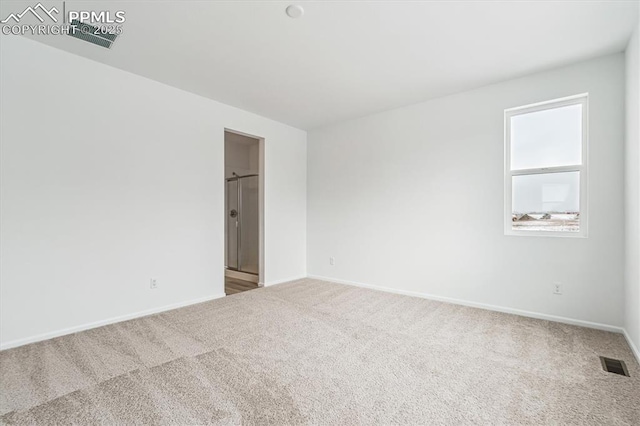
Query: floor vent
(92, 34)
(615, 366)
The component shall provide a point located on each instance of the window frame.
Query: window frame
(581, 99)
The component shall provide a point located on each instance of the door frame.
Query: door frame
(261, 202)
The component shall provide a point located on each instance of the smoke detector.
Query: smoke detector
(294, 11)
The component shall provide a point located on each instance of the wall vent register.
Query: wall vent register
(615, 366)
(92, 34)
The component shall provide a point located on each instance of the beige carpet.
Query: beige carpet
(311, 352)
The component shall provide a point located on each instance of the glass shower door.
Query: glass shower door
(233, 217)
(249, 225)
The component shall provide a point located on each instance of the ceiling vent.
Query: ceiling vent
(92, 34)
(615, 366)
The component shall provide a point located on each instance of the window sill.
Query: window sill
(553, 234)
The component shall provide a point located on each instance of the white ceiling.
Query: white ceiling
(347, 59)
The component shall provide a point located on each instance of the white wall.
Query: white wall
(632, 193)
(109, 179)
(412, 199)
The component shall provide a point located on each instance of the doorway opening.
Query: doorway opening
(244, 183)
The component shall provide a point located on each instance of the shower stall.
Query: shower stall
(242, 224)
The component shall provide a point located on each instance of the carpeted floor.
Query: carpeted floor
(312, 352)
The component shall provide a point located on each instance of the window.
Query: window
(546, 168)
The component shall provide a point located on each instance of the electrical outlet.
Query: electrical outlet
(332, 261)
(557, 288)
(153, 283)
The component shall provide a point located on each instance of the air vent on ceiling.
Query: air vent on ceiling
(615, 366)
(91, 34)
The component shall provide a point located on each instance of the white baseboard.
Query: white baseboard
(70, 330)
(270, 283)
(503, 309)
(632, 345)
(50, 335)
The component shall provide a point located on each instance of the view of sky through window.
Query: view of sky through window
(547, 138)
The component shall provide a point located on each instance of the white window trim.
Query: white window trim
(582, 99)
